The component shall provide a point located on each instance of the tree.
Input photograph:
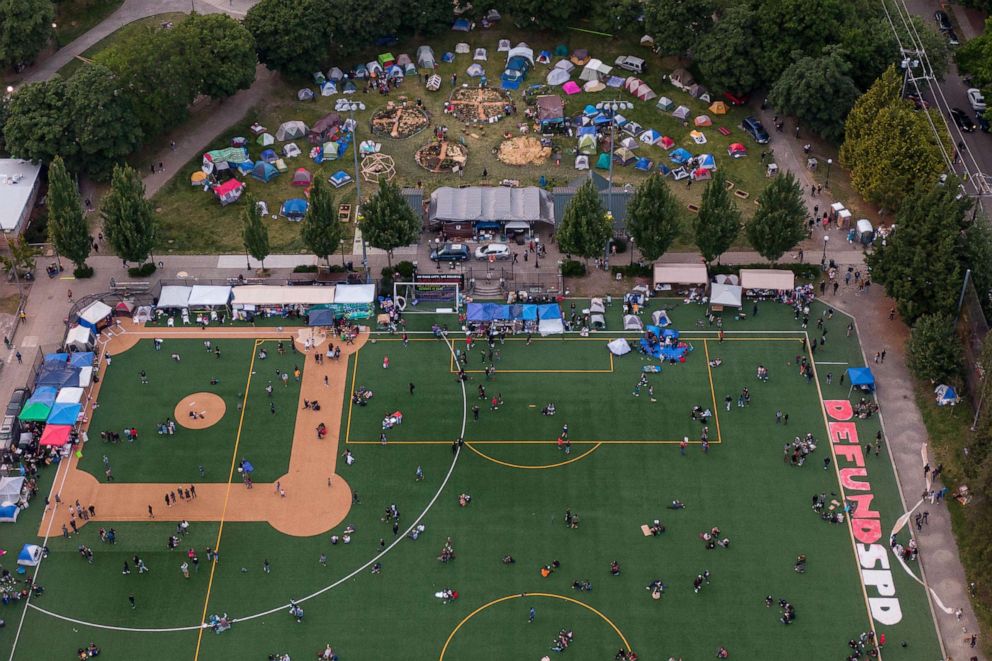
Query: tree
(779, 223)
(869, 47)
(25, 28)
(254, 233)
(128, 218)
(38, 122)
(101, 122)
(975, 56)
(977, 256)
(387, 221)
(719, 220)
(428, 17)
(654, 218)
(543, 14)
(616, 16)
(67, 228)
(678, 25)
(934, 350)
(225, 61)
(728, 55)
(919, 264)
(803, 87)
(584, 228)
(788, 27)
(21, 255)
(884, 92)
(321, 230)
(294, 36)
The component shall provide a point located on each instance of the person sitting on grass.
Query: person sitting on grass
(327, 654)
(800, 565)
(508, 559)
(656, 527)
(677, 505)
(716, 362)
(656, 587)
(584, 585)
(614, 568)
(464, 499)
(549, 409)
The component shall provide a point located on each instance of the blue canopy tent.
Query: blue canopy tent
(861, 377)
(320, 317)
(58, 374)
(64, 413)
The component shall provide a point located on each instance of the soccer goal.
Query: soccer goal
(433, 296)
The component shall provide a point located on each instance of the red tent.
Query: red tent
(737, 150)
(229, 191)
(666, 142)
(57, 435)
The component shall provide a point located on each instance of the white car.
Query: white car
(494, 250)
(976, 100)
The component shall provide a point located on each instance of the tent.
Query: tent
(550, 110)
(480, 55)
(305, 94)
(724, 295)
(291, 130)
(544, 57)
(618, 347)
(667, 275)
(265, 139)
(425, 58)
(448, 57)
(354, 301)
(664, 104)
(593, 86)
(680, 156)
(698, 137)
(561, 50)
(650, 137)
(632, 322)
(681, 112)
(666, 142)
(403, 60)
(302, 177)
(580, 56)
(374, 68)
(229, 191)
(549, 319)
(57, 373)
(718, 108)
(597, 321)
(37, 408)
(294, 209)
(701, 174)
(318, 78)
(268, 156)
(264, 171)
(349, 87)
(565, 65)
(209, 296)
(461, 25)
(587, 144)
(340, 178)
(557, 77)
(475, 70)
(64, 413)
(173, 297)
(737, 150)
(503, 46)
(94, 315)
(335, 74)
(324, 128)
(946, 396)
(571, 87)
(603, 162)
(360, 72)
(862, 378)
(80, 338)
(632, 129)
(703, 120)
(386, 59)
(582, 162)
(768, 279)
(321, 317)
(10, 495)
(70, 395)
(329, 151)
(616, 82)
(460, 48)
(595, 70)
(707, 161)
(30, 555)
(198, 178)
(681, 79)
(629, 143)
(643, 164)
(660, 318)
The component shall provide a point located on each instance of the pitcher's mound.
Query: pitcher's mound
(200, 410)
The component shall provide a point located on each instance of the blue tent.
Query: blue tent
(264, 171)
(246, 167)
(603, 162)
(680, 156)
(861, 377)
(643, 164)
(64, 413)
(294, 208)
(461, 25)
(269, 156)
(590, 110)
(549, 311)
(58, 374)
(946, 396)
(321, 317)
(587, 130)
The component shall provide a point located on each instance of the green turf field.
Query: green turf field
(520, 492)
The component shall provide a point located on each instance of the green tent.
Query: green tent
(35, 412)
(561, 50)
(386, 57)
(603, 162)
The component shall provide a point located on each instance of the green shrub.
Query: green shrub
(635, 270)
(305, 268)
(573, 269)
(405, 269)
(802, 271)
(83, 272)
(934, 351)
(142, 271)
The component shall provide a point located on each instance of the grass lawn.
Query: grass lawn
(125, 401)
(76, 17)
(741, 486)
(130, 31)
(193, 221)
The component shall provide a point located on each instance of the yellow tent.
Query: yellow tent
(197, 178)
(718, 108)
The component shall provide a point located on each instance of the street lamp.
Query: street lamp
(830, 162)
(631, 248)
(611, 108)
(826, 238)
(352, 107)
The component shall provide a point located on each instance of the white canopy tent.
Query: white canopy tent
(94, 313)
(723, 295)
(777, 279)
(79, 338)
(354, 293)
(173, 296)
(85, 377)
(270, 295)
(70, 396)
(550, 326)
(209, 296)
(666, 275)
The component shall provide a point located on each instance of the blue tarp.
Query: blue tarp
(64, 414)
(58, 374)
(587, 130)
(321, 317)
(549, 311)
(861, 377)
(44, 395)
(481, 312)
(246, 167)
(78, 359)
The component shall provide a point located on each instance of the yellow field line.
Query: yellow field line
(349, 395)
(545, 595)
(227, 495)
(544, 442)
(544, 467)
(501, 371)
(709, 373)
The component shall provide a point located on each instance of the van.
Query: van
(17, 400)
(10, 430)
(451, 252)
(630, 63)
(753, 128)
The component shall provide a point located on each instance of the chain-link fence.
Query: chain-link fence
(972, 328)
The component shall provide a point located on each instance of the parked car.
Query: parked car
(963, 120)
(753, 127)
(451, 252)
(943, 20)
(10, 431)
(630, 63)
(494, 250)
(983, 124)
(17, 399)
(952, 38)
(976, 100)
(918, 101)
(735, 100)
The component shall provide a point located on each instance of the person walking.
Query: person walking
(531, 615)
(184, 568)
(130, 600)
(420, 474)
(151, 514)
(266, 567)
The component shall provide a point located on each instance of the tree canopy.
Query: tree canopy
(67, 228)
(128, 218)
(975, 57)
(719, 220)
(584, 228)
(728, 55)
(38, 121)
(294, 36)
(677, 25)
(934, 351)
(25, 28)
(818, 91)
(321, 231)
(387, 221)
(779, 223)
(225, 61)
(254, 233)
(654, 218)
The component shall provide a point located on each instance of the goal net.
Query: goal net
(430, 296)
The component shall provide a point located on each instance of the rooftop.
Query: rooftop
(17, 180)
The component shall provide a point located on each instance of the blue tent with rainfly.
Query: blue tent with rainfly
(64, 413)
(861, 378)
(264, 171)
(643, 164)
(246, 167)
(294, 208)
(946, 396)
(461, 25)
(340, 178)
(603, 162)
(269, 156)
(680, 156)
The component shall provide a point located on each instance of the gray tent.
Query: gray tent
(335, 74)
(475, 70)
(425, 57)
(291, 130)
(491, 204)
(305, 94)
(558, 77)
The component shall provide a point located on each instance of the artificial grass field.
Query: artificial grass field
(742, 486)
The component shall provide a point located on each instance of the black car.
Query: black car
(952, 38)
(17, 400)
(983, 123)
(943, 20)
(963, 120)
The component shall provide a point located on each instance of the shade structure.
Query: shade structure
(55, 435)
(725, 295)
(680, 274)
(861, 377)
(39, 405)
(173, 297)
(64, 413)
(282, 295)
(80, 338)
(94, 314)
(209, 296)
(70, 395)
(776, 279)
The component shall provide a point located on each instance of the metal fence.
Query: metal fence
(972, 327)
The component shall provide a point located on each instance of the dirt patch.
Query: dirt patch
(523, 150)
(442, 156)
(400, 121)
(473, 105)
(200, 410)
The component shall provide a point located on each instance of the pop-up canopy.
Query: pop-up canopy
(861, 377)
